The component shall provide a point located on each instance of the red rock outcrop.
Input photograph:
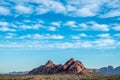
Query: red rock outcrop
(68, 64)
(76, 67)
(70, 67)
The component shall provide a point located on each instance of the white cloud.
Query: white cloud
(4, 24)
(35, 26)
(47, 44)
(113, 3)
(56, 24)
(82, 8)
(26, 27)
(48, 36)
(83, 26)
(57, 36)
(58, 7)
(64, 45)
(41, 36)
(93, 26)
(10, 35)
(102, 8)
(86, 11)
(25, 36)
(4, 27)
(70, 8)
(101, 27)
(42, 9)
(82, 35)
(79, 8)
(117, 28)
(36, 36)
(87, 44)
(113, 13)
(117, 35)
(50, 6)
(104, 35)
(75, 37)
(79, 36)
(70, 24)
(105, 43)
(23, 9)
(4, 11)
(51, 28)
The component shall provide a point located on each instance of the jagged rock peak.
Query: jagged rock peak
(70, 61)
(68, 64)
(49, 63)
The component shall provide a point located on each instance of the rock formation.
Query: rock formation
(68, 64)
(76, 67)
(70, 67)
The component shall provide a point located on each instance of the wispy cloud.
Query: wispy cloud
(51, 28)
(113, 13)
(58, 24)
(4, 27)
(10, 35)
(35, 26)
(106, 43)
(117, 35)
(96, 26)
(104, 35)
(70, 24)
(99, 44)
(79, 36)
(117, 27)
(41, 36)
(4, 11)
(4, 24)
(23, 9)
(93, 26)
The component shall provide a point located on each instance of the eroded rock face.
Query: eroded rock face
(68, 64)
(71, 66)
(49, 64)
(44, 69)
(76, 67)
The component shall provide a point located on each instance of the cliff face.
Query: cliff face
(70, 67)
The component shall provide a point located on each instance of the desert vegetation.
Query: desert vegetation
(59, 77)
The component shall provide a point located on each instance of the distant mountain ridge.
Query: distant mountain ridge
(70, 67)
(109, 70)
(18, 73)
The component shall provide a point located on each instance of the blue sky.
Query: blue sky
(33, 31)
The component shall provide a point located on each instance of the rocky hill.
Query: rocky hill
(70, 67)
(108, 70)
(18, 73)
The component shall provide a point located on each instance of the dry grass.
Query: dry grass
(58, 77)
